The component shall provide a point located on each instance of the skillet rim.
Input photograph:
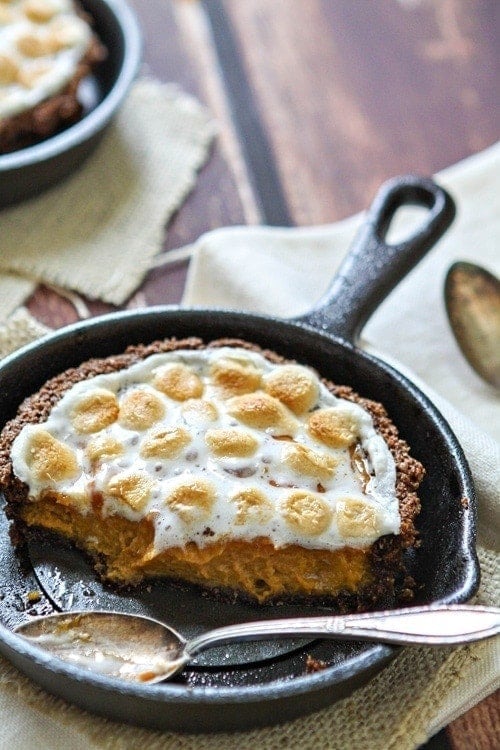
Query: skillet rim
(375, 657)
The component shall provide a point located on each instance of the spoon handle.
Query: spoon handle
(429, 625)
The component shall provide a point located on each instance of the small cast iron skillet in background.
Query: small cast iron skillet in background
(29, 171)
(249, 695)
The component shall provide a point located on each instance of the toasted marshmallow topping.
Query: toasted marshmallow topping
(214, 444)
(41, 44)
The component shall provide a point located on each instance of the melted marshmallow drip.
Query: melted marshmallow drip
(264, 470)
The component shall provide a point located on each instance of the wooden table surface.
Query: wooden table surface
(318, 102)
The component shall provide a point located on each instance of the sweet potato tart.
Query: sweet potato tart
(46, 48)
(219, 465)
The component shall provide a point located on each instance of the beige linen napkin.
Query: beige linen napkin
(283, 272)
(20, 329)
(96, 232)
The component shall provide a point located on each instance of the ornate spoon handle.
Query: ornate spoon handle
(430, 626)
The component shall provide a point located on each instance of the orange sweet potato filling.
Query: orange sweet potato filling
(255, 568)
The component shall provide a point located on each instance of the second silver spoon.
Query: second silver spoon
(472, 297)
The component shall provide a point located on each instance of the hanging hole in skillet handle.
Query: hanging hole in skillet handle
(373, 267)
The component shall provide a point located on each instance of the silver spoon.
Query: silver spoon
(140, 649)
(472, 297)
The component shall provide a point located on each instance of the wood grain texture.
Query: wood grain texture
(354, 92)
(479, 728)
(176, 51)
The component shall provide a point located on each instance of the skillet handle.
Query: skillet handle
(372, 268)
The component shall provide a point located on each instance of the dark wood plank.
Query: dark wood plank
(479, 728)
(254, 142)
(352, 93)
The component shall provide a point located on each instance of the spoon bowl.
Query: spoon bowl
(140, 649)
(472, 297)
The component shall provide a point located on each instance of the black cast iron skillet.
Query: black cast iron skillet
(277, 688)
